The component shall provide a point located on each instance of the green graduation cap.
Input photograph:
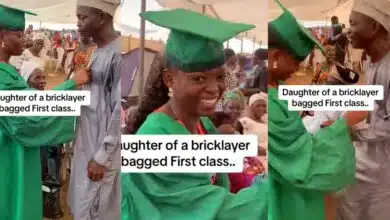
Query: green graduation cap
(286, 33)
(12, 18)
(195, 43)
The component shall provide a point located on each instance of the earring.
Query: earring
(275, 65)
(170, 93)
(2, 44)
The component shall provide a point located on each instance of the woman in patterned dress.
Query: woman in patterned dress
(320, 76)
(82, 55)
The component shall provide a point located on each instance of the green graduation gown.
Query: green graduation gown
(189, 196)
(302, 167)
(24, 136)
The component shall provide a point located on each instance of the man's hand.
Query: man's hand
(95, 171)
(353, 118)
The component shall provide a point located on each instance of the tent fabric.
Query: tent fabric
(47, 10)
(130, 76)
(307, 10)
(342, 12)
(245, 11)
(257, 12)
(32, 4)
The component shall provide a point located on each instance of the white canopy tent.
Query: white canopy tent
(245, 11)
(259, 12)
(307, 10)
(342, 12)
(54, 11)
(59, 12)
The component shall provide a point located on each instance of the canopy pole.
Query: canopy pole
(203, 9)
(142, 50)
(254, 44)
(242, 44)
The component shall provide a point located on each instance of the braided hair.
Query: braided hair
(155, 95)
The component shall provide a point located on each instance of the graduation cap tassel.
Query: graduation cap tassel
(280, 4)
(254, 44)
(242, 44)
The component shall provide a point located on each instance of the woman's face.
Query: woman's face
(281, 64)
(330, 53)
(234, 109)
(232, 61)
(259, 108)
(13, 42)
(197, 92)
(38, 45)
(37, 80)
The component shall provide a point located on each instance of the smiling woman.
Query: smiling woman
(182, 91)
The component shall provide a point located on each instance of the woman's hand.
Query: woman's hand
(326, 124)
(81, 77)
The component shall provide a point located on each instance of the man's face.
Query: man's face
(89, 21)
(361, 31)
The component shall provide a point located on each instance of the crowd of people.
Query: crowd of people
(44, 45)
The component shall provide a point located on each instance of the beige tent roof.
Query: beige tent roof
(342, 12)
(51, 11)
(308, 10)
(257, 12)
(246, 11)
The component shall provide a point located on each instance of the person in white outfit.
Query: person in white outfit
(32, 54)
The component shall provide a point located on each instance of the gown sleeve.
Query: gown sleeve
(38, 131)
(178, 196)
(324, 161)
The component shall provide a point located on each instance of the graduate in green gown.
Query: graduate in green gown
(21, 137)
(179, 96)
(303, 168)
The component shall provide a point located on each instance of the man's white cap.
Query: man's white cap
(108, 6)
(39, 36)
(379, 10)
